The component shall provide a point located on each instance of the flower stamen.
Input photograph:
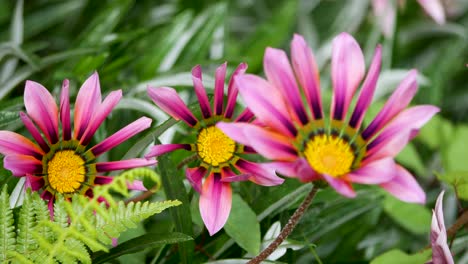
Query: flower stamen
(66, 171)
(214, 147)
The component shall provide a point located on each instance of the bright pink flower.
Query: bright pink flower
(440, 251)
(62, 161)
(218, 156)
(305, 144)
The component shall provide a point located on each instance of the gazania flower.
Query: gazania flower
(440, 251)
(308, 145)
(218, 155)
(64, 162)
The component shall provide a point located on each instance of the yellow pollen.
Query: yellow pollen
(214, 147)
(66, 171)
(329, 155)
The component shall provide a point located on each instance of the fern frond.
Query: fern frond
(7, 227)
(25, 242)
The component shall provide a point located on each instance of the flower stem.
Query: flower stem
(461, 221)
(288, 228)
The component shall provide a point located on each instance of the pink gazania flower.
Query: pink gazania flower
(305, 144)
(62, 163)
(385, 12)
(440, 251)
(218, 156)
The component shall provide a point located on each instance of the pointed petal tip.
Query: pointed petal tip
(197, 71)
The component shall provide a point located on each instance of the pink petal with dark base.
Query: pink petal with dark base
(398, 101)
(34, 132)
(307, 74)
(168, 100)
(215, 203)
(262, 174)
(200, 92)
(123, 164)
(103, 180)
(404, 187)
(120, 136)
(227, 175)
(376, 172)
(12, 143)
(87, 103)
(65, 111)
(219, 89)
(34, 182)
(367, 90)
(102, 112)
(245, 116)
(233, 90)
(299, 169)
(279, 73)
(342, 187)
(21, 165)
(159, 150)
(195, 176)
(41, 107)
(348, 69)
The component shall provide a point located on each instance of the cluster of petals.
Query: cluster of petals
(215, 191)
(43, 120)
(286, 119)
(440, 250)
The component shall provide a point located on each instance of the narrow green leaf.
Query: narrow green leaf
(413, 217)
(400, 257)
(459, 180)
(137, 244)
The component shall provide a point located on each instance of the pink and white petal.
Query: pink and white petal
(233, 90)
(367, 90)
(34, 132)
(201, 92)
(399, 132)
(195, 176)
(103, 180)
(215, 203)
(266, 103)
(41, 107)
(269, 144)
(158, 150)
(34, 182)
(21, 165)
(169, 101)
(404, 187)
(279, 73)
(342, 187)
(435, 9)
(299, 169)
(65, 110)
(120, 136)
(438, 212)
(440, 250)
(219, 89)
(136, 185)
(123, 164)
(376, 172)
(102, 112)
(385, 12)
(261, 173)
(12, 143)
(86, 104)
(307, 73)
(348, 68)
(398, 101)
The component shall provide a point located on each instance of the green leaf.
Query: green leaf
(409, 157)
(437, 132)
(7, 118)
(459, 180)
(413, 217)
(137, 244)
(7, 227)
(242, 226)
(400, 257)
(175, 189)
(455, 156)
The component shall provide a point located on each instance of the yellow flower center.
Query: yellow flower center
(66, 171)
(214, 147)
(329, 155)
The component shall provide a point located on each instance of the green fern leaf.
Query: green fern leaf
(7, 227)
(25, 242)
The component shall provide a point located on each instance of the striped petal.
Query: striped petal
(65, 111)
(376, 172)
(169, 101)
(34, 182)
(262, 174)
(269, 144)
(21, 165)
(120, 136)
(41, 107)
(307, 74)
(435, 9)
(348, 69)
(87, 103)
(195, 176)
(245, 116)
(201, 92)
(367, 90)
(404, 187)
(299, 169)
(123, 164)
(34, 132)
(159, 150)
(266, 103)
(342, 187)
(279, 73)
(215, 203)
(12, 143)
(398, 101)
(233, 90)
(103, 180)
(102, 112)
(219, 89)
